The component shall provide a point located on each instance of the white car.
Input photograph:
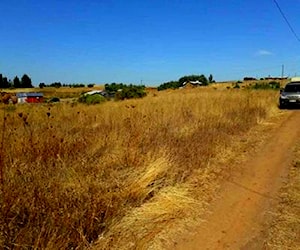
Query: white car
(290, 95)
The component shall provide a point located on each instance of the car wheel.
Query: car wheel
(281, 106)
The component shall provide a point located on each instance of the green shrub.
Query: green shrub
(122, 91)
(274, 85)
(114, 87)
(169, 85)
(130, 92)
(236, 86)
(92, 99)
(77, 85)
(265, 85)
(54, 99)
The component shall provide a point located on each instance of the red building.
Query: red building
(31, 97)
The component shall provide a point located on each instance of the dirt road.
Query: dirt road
(238, 217)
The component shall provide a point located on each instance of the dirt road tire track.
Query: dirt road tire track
(238, 216)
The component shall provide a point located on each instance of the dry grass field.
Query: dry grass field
(120, 175)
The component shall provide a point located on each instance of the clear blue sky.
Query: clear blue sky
(100, 41)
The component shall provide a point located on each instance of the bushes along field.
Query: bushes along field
(120, 174)
(92, 99)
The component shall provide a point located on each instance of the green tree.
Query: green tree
(17, 82)
(210, 78)
(10, 84)
(5, 82)
(42, 85)
(130, 91)
(113, 87)
(169, 85)
(1, 81)
(56, 84)
(122, 91)
(26, 82)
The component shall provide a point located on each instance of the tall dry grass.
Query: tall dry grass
(117, 175)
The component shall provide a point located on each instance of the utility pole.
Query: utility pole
(282, 74)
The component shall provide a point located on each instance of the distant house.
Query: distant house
(247, 78)
(31, 97)
(192, 84)
(93, 92)
(96, 92)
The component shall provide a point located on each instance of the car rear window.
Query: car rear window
(292, 88)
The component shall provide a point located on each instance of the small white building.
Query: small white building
(93, 92)
(194, 83)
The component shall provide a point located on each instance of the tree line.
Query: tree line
(24, 82)
(59, 85)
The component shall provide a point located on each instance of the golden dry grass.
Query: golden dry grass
(244, 84)
(117, 175)
(284, 232)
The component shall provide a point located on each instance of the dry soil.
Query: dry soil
(239, 216)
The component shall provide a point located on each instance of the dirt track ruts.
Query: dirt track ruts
(239, 215)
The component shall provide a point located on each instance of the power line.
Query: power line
(286, 20)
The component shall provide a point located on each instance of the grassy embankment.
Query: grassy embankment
(284, 232)
(121, 174)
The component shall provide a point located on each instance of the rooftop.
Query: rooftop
(29, 94)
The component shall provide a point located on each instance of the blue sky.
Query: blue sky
(149, 41)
